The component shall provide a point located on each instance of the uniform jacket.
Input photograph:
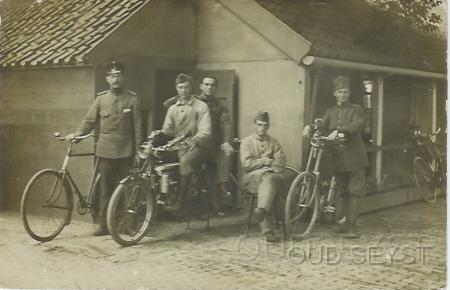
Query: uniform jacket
(192, 116)
(120, 124)
(221, 130)
(220, 121)
(349, 119)
(254, 149)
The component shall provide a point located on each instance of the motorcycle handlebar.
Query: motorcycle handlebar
(168, 146)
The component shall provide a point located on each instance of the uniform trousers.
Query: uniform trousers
(219, 165)
(190, 160)
(350, 186)
(111, 172)
(267, 186)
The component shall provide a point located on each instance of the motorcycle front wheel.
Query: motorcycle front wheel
(131, 211)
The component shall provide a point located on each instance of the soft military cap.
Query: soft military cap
(115, 67)
(182, 78)
(262, 116)
(341, 82)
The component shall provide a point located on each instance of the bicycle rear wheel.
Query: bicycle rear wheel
(302, 205)
(423, 175)
(130, 211)
(46, 205)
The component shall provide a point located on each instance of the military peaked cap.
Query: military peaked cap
(115, 67)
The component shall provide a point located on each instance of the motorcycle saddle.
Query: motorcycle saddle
(168, 167)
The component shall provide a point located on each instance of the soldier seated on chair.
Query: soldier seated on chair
(263, 162)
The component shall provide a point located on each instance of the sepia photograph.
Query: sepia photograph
(223, 144)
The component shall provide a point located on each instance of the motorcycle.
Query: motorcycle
(153, 186)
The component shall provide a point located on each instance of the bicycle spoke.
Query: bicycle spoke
(46, 205)
(130, 212)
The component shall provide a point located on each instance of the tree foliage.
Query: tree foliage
(418, 13)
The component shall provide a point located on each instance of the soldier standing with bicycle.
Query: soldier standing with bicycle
(350, 160)
(117, 113)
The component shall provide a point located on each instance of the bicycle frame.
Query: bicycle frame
(84, 203)
(435, 163)
(313, 164)
(318, 145)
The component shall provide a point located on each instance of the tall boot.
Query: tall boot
(352, 216)
(179, 206)
(341, 214)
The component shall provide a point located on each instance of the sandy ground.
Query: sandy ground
(401, 248)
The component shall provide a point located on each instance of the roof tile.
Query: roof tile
(58, 31)
(352, 30)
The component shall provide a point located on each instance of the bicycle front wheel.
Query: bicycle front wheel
(130, 211)
(423, 175)
(46, 205)
(302, 205)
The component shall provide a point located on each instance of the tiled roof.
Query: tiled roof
(352, 30)
(54, 32)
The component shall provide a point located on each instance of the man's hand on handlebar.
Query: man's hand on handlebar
(333, 135)
(72, 137)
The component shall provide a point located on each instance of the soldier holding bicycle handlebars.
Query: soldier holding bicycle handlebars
(349, 160)
(117, 112)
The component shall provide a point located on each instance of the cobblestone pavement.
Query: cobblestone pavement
(401, 248)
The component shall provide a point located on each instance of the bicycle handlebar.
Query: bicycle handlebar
(57, 135)
(317, 141)
(417, 133)
(148, 147)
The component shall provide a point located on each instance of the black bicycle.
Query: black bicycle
(430, 163)
(47, 201)
(308, 196)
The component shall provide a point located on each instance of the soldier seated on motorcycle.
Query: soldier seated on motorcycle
(220, 148)
(188, 114)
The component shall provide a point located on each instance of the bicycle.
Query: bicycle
(430, 173)
(47, 201)
(306, 198)
(154, 185)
